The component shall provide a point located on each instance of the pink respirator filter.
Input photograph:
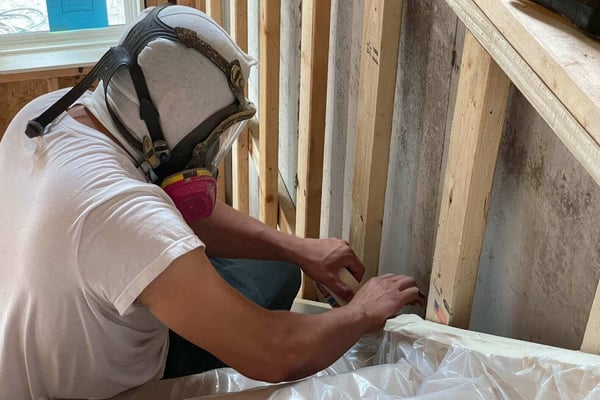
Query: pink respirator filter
(194, 197)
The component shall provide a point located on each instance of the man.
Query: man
(108, 223)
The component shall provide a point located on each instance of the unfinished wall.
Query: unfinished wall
(541, 258)
(540, 262)
(423, 94)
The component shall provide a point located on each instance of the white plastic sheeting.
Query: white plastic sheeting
(417, 360)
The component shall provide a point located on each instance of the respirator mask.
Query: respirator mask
(187, 171)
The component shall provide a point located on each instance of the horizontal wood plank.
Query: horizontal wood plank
(561, 119)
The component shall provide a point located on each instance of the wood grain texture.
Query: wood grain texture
(591, 337)
(240, 177)
(215, 10)
(270, 16)
(313, 99)
(46, 74)
(287, 211)
(565, 59)
(188, 3)
(475, 137)
(286, 218)
(201, 5)
(379, 57)
(15, 94)
(153, 3)
(550, 107)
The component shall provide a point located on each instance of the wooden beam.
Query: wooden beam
(153, 3)
(543, 97)
(46, 74)
(286, 214)
(53, 84)
(591, 337)
(270, 16)
(286, 217)
(201, 5)
(253, 146)
(215, 11)
(474, 141)
(313, 99)
(240, 178)
(188, 3)
(565, 59)
(377, 82)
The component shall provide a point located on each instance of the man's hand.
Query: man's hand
(382, 297)
(322, 260)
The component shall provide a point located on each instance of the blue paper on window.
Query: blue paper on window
(76, 14)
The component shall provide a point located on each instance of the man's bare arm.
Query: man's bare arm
(231, 234)
(193, 300)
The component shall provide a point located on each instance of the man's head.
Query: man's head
(189, 81)
(172, 93)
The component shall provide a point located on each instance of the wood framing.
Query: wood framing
(591, 338)
(521, 69)
(379, 57)
(555, 67)
(46, 74)
(240, 178)
(474, 141)
(270, 17)
(215, 10)
(188, 3)
(564, 59)
(153, 3)
(201, 5)
(286, 217)
(313, 100)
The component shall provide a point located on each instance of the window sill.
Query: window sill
(38, 64)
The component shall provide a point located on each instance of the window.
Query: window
(45, 34)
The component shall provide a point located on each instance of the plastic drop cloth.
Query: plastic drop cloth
(417, 360)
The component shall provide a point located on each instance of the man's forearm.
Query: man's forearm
(310, 343)
(231, 234)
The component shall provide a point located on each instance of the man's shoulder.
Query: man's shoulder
(32, 110)
(39, 104)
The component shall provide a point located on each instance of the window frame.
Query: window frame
(38, 51)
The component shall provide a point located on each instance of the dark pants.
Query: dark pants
(270, 284)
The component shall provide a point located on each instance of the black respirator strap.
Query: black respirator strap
(124, 55)
(37, 126)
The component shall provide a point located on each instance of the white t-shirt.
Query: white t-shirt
(81, 235)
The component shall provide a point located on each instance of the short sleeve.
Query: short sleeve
(126, 241)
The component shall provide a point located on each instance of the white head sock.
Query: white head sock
(184, 85)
